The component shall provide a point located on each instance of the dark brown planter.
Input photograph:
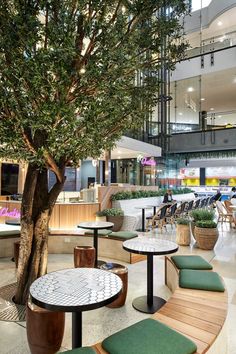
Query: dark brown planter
(45, 329)
(117, 221)
(84, 256)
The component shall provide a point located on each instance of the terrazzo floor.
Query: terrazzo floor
(100, 323)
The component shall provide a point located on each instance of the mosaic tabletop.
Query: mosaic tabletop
(95, 225)
(77, 289)
(150, 245)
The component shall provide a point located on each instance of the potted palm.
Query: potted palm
(183, 231)
(114, 215)
(206, 234)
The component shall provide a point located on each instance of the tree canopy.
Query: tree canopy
(74, 75)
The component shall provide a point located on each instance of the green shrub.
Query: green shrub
(202, 214)
(146, 194)
(112, 212)
(209, 224)
(182, 221)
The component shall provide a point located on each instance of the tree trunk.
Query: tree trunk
(37, 205)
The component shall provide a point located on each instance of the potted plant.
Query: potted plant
(200, 215)
(100, 216)
(206, 234)
(114, 215)
(183, 231)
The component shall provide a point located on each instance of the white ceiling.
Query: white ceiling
(218, 90)
(227, 25)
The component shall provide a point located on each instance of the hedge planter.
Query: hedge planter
(117, 221)
(206, 237)
(183, 235)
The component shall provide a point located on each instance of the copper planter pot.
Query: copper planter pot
(84, 256)
(45, 329)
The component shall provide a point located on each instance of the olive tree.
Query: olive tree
(74, 75)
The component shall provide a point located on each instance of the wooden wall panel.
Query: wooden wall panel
(72, 214)
(55, 217)
(66, 215)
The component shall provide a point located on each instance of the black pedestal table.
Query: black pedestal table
(76, 290)
(95, 226)
(143, 217)
(150, 247)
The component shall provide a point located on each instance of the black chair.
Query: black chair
(202, 203)
(158, 220)
(170, 214)
(196, 204)
(189, 207)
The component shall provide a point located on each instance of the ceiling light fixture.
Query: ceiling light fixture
(212, 109)
(190, 89)
(202, 99)
(219, 23)
(180, 113)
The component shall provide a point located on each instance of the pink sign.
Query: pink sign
(11, 214)
(148, 162)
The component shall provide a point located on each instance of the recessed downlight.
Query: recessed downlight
(219, 23)
(190, 89)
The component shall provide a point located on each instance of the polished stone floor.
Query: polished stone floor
(98, 324)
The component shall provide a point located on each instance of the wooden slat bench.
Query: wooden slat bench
(197, 314)
(64, 241)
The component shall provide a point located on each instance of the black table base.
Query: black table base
(141, 304)
(76, 329)
(100, 263)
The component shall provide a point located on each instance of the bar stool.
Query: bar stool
(122, 272)
(84, 256)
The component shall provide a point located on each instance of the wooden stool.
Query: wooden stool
(45, 329)
(122, 272)
(16, 252)
(84, 256)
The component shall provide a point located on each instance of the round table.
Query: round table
(95, 226)
(76, 290)
(150, 247)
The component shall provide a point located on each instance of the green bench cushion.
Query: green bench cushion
(84, 350)
(148, 337)
(191, 262)
(123, 235)
(9, 233)
(104, 232)
(198, 279)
